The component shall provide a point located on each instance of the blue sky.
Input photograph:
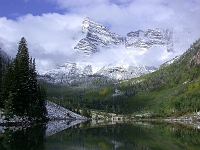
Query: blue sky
(13, 9)
(50, 26)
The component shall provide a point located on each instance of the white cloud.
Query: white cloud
(51, 37)
(123, 16)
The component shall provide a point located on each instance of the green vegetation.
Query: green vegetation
(20, 93)
(172, 90)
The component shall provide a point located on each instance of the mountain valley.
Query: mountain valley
(125, 86)
(172, 90)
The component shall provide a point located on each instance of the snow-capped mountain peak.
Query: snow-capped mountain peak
(151, 37)
(97, 36)
(111, 55)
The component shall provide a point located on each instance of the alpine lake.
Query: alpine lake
(101, 135)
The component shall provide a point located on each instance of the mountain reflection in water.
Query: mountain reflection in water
(56, 126)
(66, 135)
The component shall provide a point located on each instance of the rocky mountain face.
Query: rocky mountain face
(122, 73)
(71, 73)
(194, 60)
(55, 111)
(151, 37)
(99, 38)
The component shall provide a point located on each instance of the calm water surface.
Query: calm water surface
(95, 136)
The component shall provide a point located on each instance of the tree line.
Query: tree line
(20, 93)
(172, 90)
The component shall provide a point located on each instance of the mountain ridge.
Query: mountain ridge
(173, 90)
(99, 39)
(98, 36)
(71, 72)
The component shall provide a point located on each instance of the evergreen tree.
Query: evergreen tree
(21, 92)
(9, 105)
(1, 78)
(21, 65)
(41, 101)
(9, 91)
(37, 105)
(33, 89)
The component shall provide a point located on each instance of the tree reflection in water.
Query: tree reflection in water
(129, 135)
(134, 135)
(32, 138)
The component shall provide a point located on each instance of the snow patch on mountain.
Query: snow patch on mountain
(107, 54)
(122, 73)
(71, 72)
(169, 62)
(152, 37)
(55, 111)
(98, 36)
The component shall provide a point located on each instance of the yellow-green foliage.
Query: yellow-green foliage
(104, 91)
(193, 86)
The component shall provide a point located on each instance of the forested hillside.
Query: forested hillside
(4, 60)
(172, 90)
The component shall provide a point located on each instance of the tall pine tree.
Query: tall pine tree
(21, 64)
(23, 96)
